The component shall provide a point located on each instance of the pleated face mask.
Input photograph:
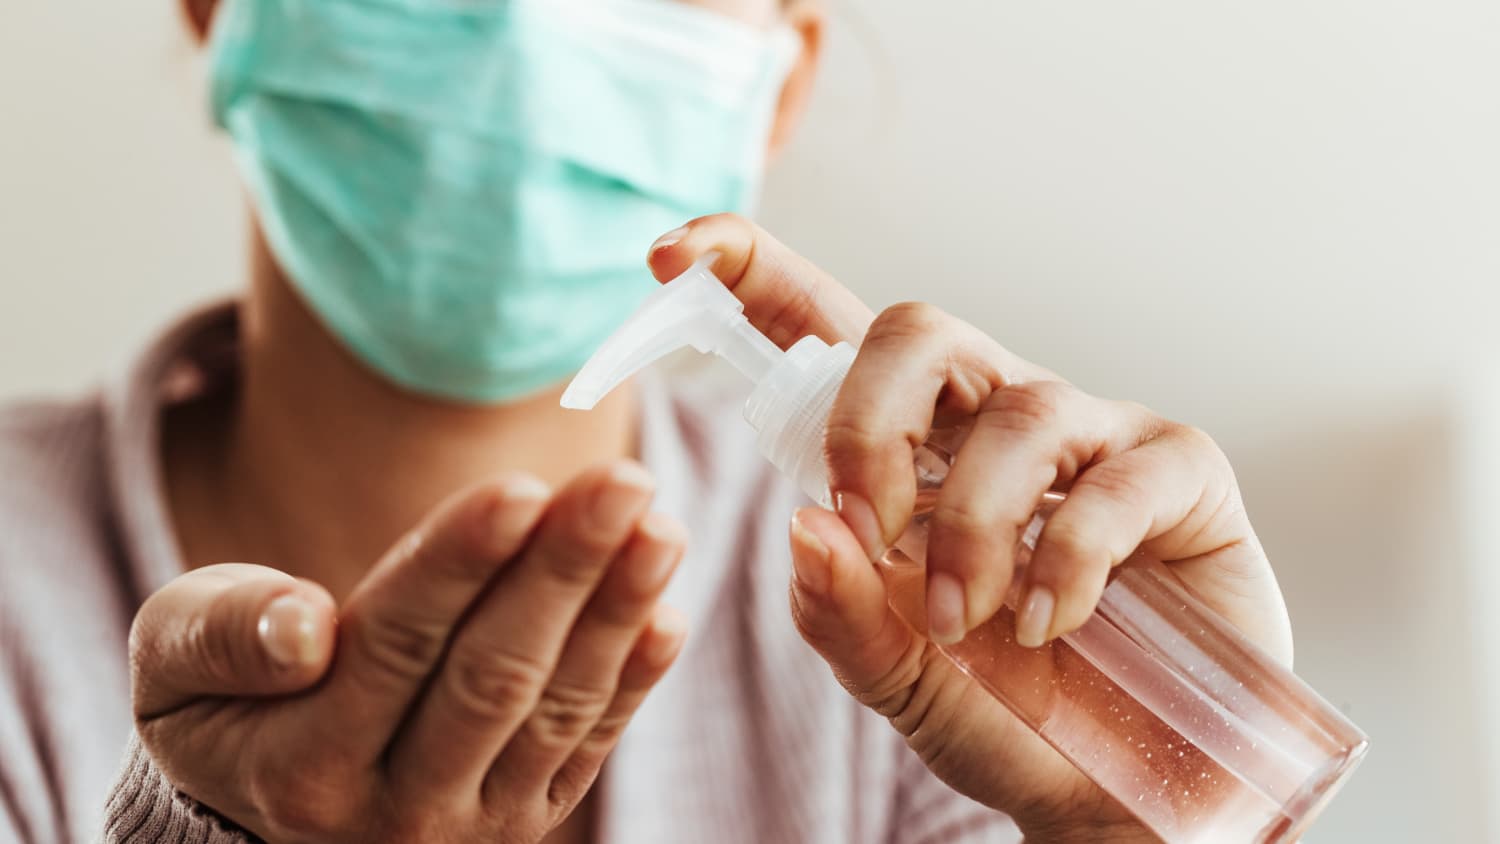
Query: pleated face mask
(463, 190)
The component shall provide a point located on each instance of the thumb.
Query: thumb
(841, 606)
(229, 630)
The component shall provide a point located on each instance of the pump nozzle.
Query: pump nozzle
(695, 309)
(794, 390)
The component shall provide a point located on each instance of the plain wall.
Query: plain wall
(1278, 221)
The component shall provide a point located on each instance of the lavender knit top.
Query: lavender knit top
(748, 739)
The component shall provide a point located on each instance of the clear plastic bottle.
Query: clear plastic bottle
(1162, 703)
(1157, 699)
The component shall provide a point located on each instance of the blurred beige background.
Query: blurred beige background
(1279, 221)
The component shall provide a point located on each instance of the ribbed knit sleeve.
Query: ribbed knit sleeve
(144, 808)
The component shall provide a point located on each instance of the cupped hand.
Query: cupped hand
(1134, 481)
(468, 690)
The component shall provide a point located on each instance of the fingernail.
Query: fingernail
(516, 509)
(667, 633)
(811, 568)
(288, 630)
(1035, 618)
(860, 517)
(622, 496)
(526, 488)
(669, 239)
(945, 608)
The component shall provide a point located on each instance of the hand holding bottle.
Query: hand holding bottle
(467, 690)
(1134, 481)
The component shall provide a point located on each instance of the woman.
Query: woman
(456, 594)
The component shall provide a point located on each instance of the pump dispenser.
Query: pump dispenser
(794, 390)
(1157, 699)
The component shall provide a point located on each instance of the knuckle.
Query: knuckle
(600, 739)
(1070, 546)
(720, 217)
(458, 550)
(608, 729)
(1147, 423)
(894, 704)
(959, 517)
(1076, 569)
(893, 693)
(619, 606)
(850, 436)
(906, 319)
(1029, 406)
(1140, 411)
(575, 563)
(797, 311)
(566, 712)
(909, 697)
(1114, 482)
(397, 646)
(1212, 463)
(1198, 440)
(493, 686)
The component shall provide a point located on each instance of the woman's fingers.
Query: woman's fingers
(497, 665)
(1111, 509)
(653, 653)
(572, 708)
(1026, 440)
(916, 362)
(785, 295)
(398, 620)
(1174, 498)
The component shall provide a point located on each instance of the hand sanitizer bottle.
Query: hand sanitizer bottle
(1157, 699)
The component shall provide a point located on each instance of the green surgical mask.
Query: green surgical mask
(463, 190)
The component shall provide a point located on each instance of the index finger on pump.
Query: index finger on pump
(786, 296)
